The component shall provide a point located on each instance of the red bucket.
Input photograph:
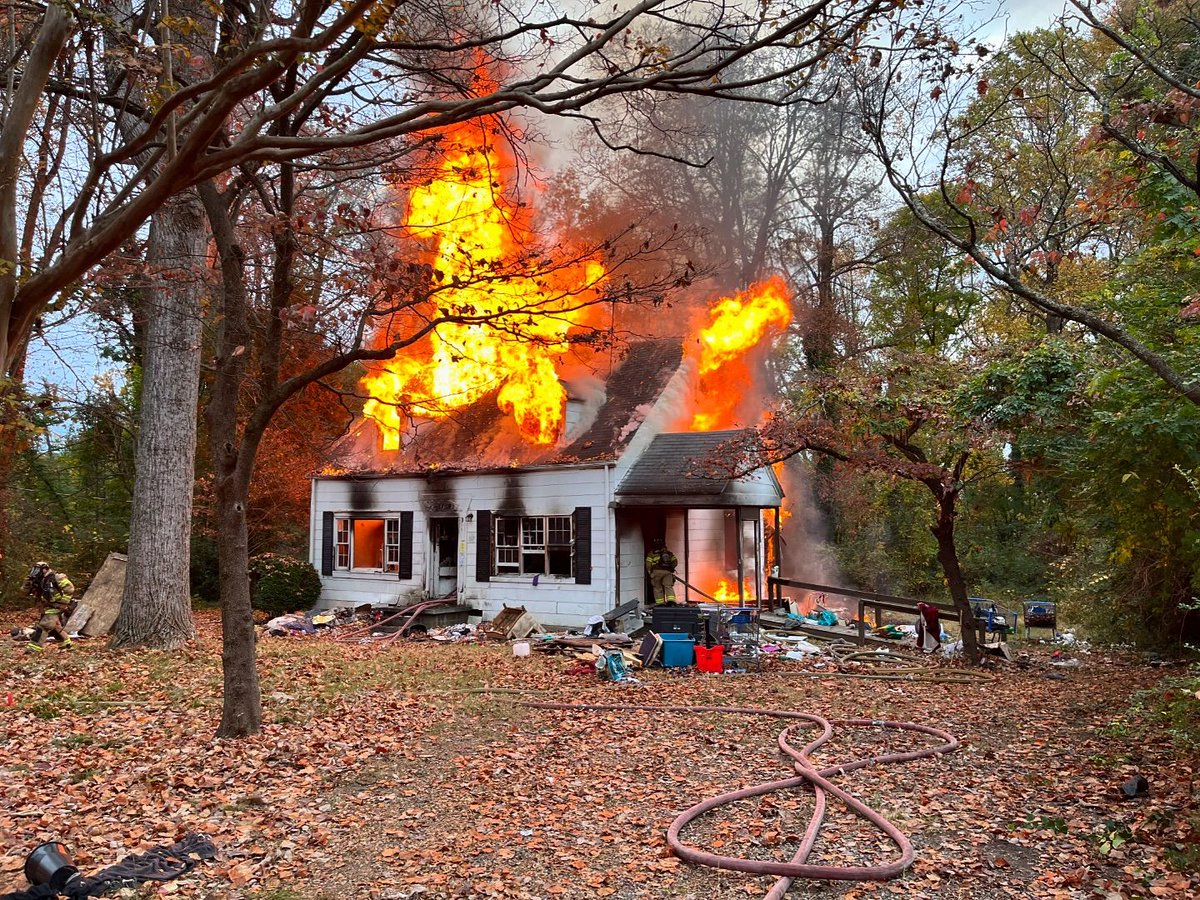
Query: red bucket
(710, 659)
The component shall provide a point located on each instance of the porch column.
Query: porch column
(687, 568)
(741, 556)
(760, 559)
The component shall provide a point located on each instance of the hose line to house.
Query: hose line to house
(808, 774)
(887, 665)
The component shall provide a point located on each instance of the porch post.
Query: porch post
(777, 540)
(687, 566)
(741, 556)
(760, 560)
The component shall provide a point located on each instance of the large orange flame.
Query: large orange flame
(735, 326)
(726, 592)
(520, 303)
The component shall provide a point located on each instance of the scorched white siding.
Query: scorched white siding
(474, 501)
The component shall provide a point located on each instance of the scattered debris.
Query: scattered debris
(614, 615)
(612, 665)
(282, 626)
(1066, 663)
(552, 643)
(453, 633)
(512, 622)
(1136, 786)
(650, 649)
(397, 624)
(998, 648)
(1068, 639)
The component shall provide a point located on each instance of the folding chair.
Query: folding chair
(1041, 614)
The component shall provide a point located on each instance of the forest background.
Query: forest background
(997, 287)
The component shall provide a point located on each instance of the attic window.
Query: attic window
(534, 545)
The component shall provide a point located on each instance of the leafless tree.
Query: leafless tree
(357, 73)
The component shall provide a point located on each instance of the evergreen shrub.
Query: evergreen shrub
(283, 584)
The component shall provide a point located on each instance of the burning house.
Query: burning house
(496, 464)
(464, 508)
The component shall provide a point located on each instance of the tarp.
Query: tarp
(101, 603)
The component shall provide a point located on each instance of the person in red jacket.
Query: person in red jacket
(929, 627)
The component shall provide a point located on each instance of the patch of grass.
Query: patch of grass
(1179, 834)
(1112, 836)
(1109, 760)
(82, 775)
(52, 704)
(249, 802)
(1173, 705)
(74, 740)
(1041, 823)
(1119, 729)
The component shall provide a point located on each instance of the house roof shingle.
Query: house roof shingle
(684, 468)
(482, 437)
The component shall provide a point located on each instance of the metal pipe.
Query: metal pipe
(697, 590)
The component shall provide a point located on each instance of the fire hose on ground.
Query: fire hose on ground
(888, 665)
(807, 775)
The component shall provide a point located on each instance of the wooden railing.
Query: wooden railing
(878, 602)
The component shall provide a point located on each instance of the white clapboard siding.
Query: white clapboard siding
(550, 492)
(633, 562)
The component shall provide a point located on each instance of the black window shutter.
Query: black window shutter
(583, 545)
(327, 543)
(483, 545)
(406, 545)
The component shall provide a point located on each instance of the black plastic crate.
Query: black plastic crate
(676, 620)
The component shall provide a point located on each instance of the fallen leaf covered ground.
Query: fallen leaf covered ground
(382, 773)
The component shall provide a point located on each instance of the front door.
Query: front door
(444, 556)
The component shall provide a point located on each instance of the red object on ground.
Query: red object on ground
(710, 659)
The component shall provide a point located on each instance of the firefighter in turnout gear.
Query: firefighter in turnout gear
(661, 563)
(54, 590)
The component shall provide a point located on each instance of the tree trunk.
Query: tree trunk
(12, 385)
(820, 348)
(947, 555)
(9, 393)
(157, 608)
(233, 463)
(241, 715)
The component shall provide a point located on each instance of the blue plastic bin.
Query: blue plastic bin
(678, 650)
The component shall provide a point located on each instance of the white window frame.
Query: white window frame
(518, 540)
(343, 528)
(343, 557)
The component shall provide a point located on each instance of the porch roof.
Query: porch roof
(684, 469)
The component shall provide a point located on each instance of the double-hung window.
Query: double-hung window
(534, 545)
(343, 544)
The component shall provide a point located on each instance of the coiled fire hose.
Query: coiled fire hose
(807, 774)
